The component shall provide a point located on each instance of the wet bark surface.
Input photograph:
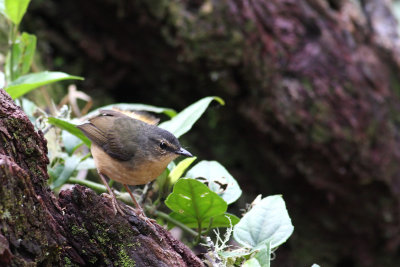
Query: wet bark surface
(313, 101)
(77, 229)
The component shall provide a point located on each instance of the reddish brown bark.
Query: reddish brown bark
(79, 228)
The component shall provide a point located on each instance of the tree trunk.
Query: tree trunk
(77, 229)
(312, 88)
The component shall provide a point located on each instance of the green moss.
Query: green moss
(67, 261)
(93, 260)
(124, 259)
(78, 230)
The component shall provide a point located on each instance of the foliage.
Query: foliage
(199, 198)
(21, 53)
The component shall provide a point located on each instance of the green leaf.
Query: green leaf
(183, 122)
(267, 221)
(27, 83)
(234, 253)
(71, 128)
(86, 164)
(70, 141)
(218, 178)
(315, 265)
(22, 52)
(140, 107)
(3, 8)
(263, 256)
(29, 108)
(15, 9)
(55, 172)
(29, 46)
(253, 262)
(191, 198)
(222, 220)
(177, 172)
(70, 165)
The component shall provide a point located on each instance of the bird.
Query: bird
(130, 150)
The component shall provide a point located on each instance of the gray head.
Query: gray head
(162, 142)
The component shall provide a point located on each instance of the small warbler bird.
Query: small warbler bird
(129, 150)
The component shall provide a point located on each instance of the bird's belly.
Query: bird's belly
(126, 172)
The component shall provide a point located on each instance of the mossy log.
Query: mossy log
(79, 228)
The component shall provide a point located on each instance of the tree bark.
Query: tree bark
(77, 229)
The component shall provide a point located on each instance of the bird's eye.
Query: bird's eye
(163, 145)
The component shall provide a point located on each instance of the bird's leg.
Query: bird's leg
(139, 211)
(115, 205)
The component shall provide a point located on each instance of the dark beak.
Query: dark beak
(184, 152)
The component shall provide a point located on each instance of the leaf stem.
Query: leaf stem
(12, 37)
(99, 188)
(177, 223)
(198, 237)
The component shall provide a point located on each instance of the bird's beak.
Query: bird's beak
(184, 152)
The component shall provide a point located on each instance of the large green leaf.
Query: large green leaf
(267, 221)
(141, 107)
(26, 83)
(191, 198)
(15, 9)
(71, 128)
(222, 220)
(218, 178)
(183, 122)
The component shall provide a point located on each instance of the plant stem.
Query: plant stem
(12, 38)
(99, 188)
(198, 237)
(177, 223)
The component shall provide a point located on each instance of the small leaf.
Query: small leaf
(267, 221)
(29, 108)
(27, 83)
(140, 107)
(86, 164)
(70, 141)
(29, 47)
(70, 165)
(15, 9)
(177, 172)
(217, 221)
(55, 172)
(234, 253)
(183, 121)
(218, 178)
(263, 256)
(71, 128)
(253, 262)
(192, 198)
(22, 52)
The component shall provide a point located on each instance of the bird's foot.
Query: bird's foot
(116, 207)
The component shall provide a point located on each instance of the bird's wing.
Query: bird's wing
(137, 114)
(101, 131)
